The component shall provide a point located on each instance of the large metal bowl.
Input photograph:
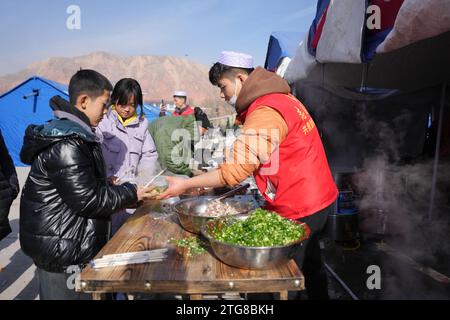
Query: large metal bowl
(190, 210)
(253, 258)
(206, 192)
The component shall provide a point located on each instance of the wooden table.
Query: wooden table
(179, 274)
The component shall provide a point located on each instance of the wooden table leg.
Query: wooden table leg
(283, 295)
(196, 297)
(98, 296)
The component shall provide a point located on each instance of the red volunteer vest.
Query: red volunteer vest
(296, 181)
(185, 112)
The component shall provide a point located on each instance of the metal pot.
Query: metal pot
(343, 223)
(343, 227)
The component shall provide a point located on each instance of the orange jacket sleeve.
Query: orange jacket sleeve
(263, 131)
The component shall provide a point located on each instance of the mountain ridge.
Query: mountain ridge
(159, 76)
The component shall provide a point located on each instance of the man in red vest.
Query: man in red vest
(181, 108)
(280, 146)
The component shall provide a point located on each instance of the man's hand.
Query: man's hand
(145, 193)
(177, 186)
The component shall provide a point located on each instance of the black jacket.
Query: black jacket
(66, 202)
(9, 187)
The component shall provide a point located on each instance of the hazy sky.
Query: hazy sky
(199, 29)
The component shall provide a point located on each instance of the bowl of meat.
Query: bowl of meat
(193, 213)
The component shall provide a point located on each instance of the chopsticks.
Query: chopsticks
(122, 259)
(154, 178)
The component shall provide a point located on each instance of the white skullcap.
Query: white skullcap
(236, 59)
(180, 94)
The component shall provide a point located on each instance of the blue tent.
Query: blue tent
(151, 112)
(26, 104)
(281, 45)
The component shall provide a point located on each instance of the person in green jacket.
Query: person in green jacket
(175, 137)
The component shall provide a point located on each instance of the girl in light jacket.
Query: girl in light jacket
(127, 146)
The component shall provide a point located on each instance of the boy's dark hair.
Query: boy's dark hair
(218, 71)
(124, 90)
(88, 82)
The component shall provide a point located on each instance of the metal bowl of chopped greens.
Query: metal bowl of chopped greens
(260, 240)
(193, 213)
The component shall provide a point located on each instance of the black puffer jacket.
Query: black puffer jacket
(66, 202)
(9, 187)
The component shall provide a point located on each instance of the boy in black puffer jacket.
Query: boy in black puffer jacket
(67, 201)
